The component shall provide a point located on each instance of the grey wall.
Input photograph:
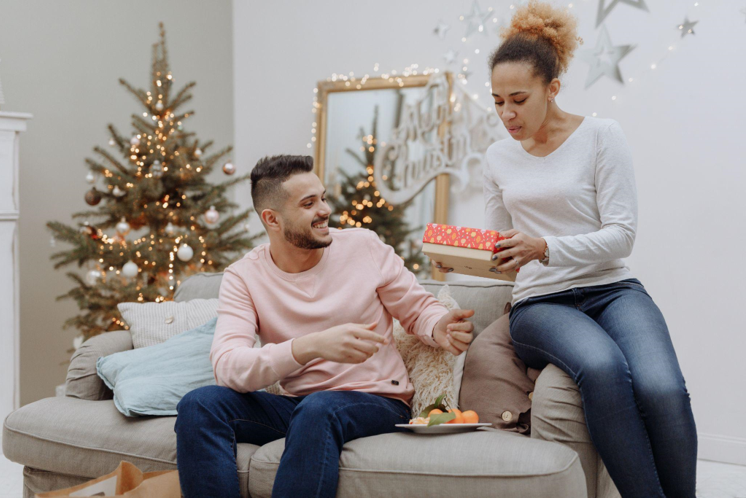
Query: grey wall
(61, 61)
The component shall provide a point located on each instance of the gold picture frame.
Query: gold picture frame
(324, 88)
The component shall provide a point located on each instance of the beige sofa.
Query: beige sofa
(64, 441)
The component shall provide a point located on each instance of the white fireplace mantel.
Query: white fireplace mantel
(11, 126)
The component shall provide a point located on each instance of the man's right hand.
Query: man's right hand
(346, 344)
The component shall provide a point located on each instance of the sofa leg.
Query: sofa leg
(37, 481)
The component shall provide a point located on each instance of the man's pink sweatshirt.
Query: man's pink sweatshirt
(359, 279)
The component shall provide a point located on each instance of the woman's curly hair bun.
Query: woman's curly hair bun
(541, 20)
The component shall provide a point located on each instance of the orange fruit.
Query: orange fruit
(470, 417)
(459, 419)
(433, 412)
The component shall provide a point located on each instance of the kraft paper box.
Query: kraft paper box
(468, 251)
(125, 481)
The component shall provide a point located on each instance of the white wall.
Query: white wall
(684, 122)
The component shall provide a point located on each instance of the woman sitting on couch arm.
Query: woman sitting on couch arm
(576, 304)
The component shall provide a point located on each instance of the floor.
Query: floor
(714, 479)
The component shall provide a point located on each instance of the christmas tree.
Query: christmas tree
(159, 191)
(357, 203)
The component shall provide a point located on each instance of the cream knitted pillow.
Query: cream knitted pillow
(153, 323)
(433, 371)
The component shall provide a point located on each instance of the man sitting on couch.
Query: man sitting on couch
(322, 301)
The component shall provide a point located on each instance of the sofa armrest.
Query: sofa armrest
(557, 415)
(82, 380)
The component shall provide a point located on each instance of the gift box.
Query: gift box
(466, 250)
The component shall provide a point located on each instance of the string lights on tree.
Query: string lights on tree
(160, 205)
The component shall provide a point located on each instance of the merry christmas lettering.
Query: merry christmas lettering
(425, 145)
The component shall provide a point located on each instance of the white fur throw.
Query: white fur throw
(432, 370)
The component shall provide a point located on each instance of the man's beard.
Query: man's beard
(303, 239)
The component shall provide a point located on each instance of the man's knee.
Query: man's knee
(319, 402)
(199, 403)
(199, 397)
(323, 407)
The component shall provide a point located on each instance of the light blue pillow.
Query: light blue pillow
(150, 381)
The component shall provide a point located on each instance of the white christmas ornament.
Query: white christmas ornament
(135, 141)
(123, 227)
(93, 276)
(229, 169)
(197, 152)
(185, 252)
(118, 192)
(90, 178)
(170, 229)
(112, 143)
(157, 169)
(212, 216)
(130, 269)
(159, 106)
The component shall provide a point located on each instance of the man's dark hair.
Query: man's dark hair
(269, 174)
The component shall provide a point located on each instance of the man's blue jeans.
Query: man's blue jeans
(614, 343)
(212, 419)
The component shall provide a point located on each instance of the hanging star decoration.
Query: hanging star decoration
(441, 29)
(687, 27)
(464, 75)
(604, 58)
(450, 56)
(605, 11)
(476, 19)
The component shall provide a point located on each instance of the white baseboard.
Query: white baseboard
(721, 448)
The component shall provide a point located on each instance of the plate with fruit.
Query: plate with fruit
(437, 418)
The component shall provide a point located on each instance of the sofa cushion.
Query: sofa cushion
(203, 285)
(475, 464)
(82, 379)
(496, 382)
(153, 323)
(88, 439)
(487, 298)
(151, 381)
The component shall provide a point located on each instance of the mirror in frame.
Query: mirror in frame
(354, 120)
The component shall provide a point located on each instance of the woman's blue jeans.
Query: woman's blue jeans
(614, 343)
(212, 419)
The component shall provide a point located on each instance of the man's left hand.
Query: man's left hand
(453, 333)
